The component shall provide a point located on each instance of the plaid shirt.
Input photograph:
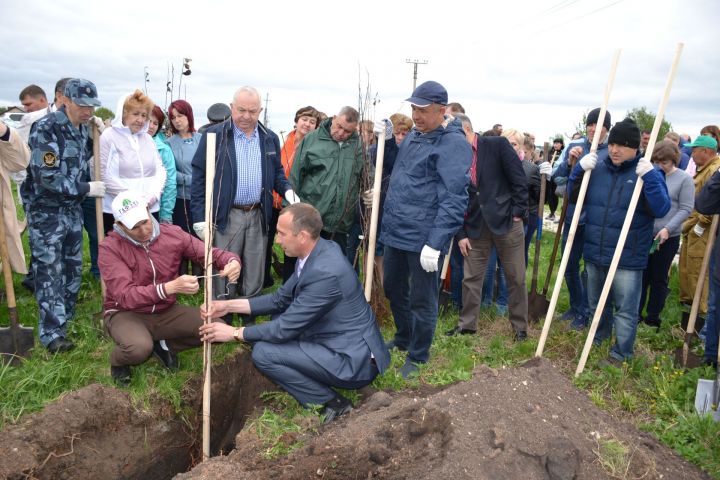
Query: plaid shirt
(248, 157)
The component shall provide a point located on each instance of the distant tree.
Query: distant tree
(104, 113)
(646, 119)
(581, 127)
(3, 110)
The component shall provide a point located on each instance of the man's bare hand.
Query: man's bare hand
(465, 247)
(218, 308)
(217, 332)
(186, 284)
(231, 271)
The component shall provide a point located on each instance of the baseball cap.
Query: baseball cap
(703, 141)
(82, 92)
(427, 93)
(130, 208)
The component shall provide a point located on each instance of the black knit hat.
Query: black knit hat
(594, 115)
(625, 133)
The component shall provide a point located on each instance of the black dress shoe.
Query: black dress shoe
(336, 407)
(459, 331)
(59, 345)
(520, 336)
(28, 283)
(166, 357)
(121, 375)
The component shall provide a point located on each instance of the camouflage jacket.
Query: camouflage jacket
(58, 173)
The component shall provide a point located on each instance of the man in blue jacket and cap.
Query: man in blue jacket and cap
(424, 208)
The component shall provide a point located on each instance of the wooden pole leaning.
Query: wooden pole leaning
(209, 233)
(98, 200)
(698, 291)
(576, 214)
(628, 218)
(374, 213)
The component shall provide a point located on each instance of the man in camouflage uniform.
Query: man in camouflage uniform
(57, 184)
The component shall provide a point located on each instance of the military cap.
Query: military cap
(82, 92)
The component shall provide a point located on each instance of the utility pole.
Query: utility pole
(415, 63)
(265, 120)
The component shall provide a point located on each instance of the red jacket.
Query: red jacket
(135, 276)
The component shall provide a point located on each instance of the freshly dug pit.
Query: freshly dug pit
(97, 432)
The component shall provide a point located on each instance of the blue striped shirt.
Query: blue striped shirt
(248, 157)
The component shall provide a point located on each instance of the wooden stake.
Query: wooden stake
(375, 210)
(98, 201)
(628, 217)
(576, 213)
(698, 291)
(209, 232)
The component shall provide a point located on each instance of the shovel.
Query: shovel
(707, 395)
(683, 353)
(538, 303)
(533, 311)
(15, 341)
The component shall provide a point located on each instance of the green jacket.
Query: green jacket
(327, 176)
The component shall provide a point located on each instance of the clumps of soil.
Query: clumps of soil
(99, 432)
(528, 422)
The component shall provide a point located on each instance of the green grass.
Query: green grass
(649, 391)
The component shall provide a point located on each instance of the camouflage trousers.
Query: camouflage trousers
(56, 245)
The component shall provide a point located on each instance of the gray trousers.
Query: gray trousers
(511, 252)
(245, 236)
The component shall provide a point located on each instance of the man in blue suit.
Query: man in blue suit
(323, 333)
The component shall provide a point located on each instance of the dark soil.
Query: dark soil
(528, 422)
(98, 432)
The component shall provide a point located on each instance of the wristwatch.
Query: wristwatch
(236, 335)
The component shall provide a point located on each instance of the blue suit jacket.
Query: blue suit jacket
(324, 309)
(225, 182)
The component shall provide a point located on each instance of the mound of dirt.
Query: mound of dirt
(528, 422)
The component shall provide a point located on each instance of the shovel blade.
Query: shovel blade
(704, 399)
(16, 342)
(537, 306)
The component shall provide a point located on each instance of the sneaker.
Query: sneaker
(568, 315)
(392, 344)
(501, 310)
(166, 357)
(579, 323)
(610, 362)
(121, 375)
(550, 217)
(459, 331)
(59, 345)
(336, 407)
(520, 336)
(410, 369)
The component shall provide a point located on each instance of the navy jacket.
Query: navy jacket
(427, 195)
(225, 184)
(501, 192)
(608, 196)
(707, 202)
(324, 309)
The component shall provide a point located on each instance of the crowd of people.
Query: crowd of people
(445, 190)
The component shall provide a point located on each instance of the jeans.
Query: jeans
(90, 223)
(622, 303)
(655, 279)
(413, 295)
(456, 274)
(488, 291)
(711, 324)
(575, 281)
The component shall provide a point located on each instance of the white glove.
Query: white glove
(291, 197)
(97, 121)
(151, 200)
(589, 161)
(383, 125)
(367, 198)
(643, 167)
(199, 228)
(545, 168)
(97, 189)
(429, 259)
(698, 230)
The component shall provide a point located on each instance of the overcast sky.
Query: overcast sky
(532, 65)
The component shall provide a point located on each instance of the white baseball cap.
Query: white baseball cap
(130, 208)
